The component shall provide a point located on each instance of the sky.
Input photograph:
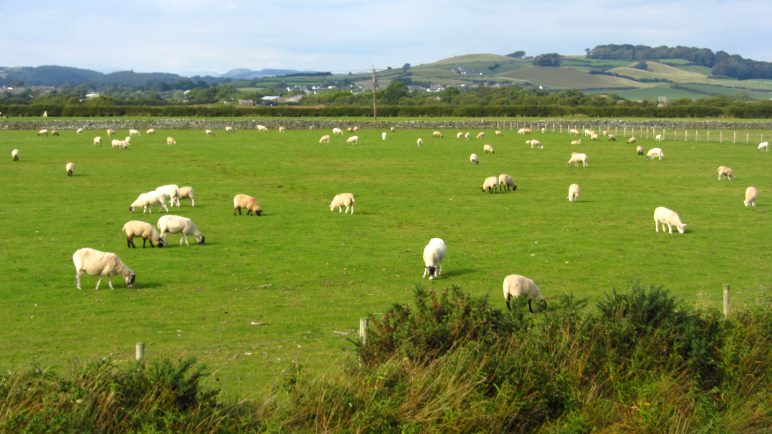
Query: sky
(205, 37)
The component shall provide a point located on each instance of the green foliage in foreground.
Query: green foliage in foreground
(641, 362)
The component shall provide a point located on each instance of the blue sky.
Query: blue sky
(191, 37)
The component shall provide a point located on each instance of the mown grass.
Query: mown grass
(266, 292)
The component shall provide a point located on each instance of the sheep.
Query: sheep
(353, 139)
(750, 196)
(611, 138)
(639, 150)
(43, 132)
(15, 154)
(659, 138)
(419, 142)
(262, 128)
(170, 191)
(97, 141)
(325, 139)
(631, 140)
(576, 142)
(488, 149)
(578, 157)
(185, 193)
(109, 132)
(763, 146)
(490, 184)
(521, 131)
(459, 135)
(498, 133)
(655, 153)
(383, 136)
(137, 228)
(341, 200)
(69, 168)
(724, 171)
(543, 130)
(573, 192)
(247, 202)
(150, 132)
(229, 129)
(516, 286)
(473, 159)
(573, 132)
(172, 224)
(535, 144)
(209, 132)
(147, 200)
(133, 132)
(392, 128)
(54, 132)
(170, 140)
(282, 129)
(79, 130)
(94, 262)
(121, 144)
(337, 131)
(481, 134)
(434, 253)
(506, 181)
(436, 134)
(667, 217)
(588, 132)
(467, 135)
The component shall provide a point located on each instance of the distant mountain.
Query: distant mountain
(248, 74)
(52, 75)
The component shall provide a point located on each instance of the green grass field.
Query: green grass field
(266, 291)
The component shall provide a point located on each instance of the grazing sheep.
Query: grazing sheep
(459, 135)
(137, 228)
(750, 196)
(392, 128)
(79, 130)
(593, 136)
(170, 191)
(147, 200)
(667, 217)
(516, 286)
(247, 202)
(229, 129)
(506, 181)
(185, 193)
(209, 132)
(337, 132)
(282, 129)
(109, 132)
(383, 136)
(15, 154)
(341, 200)
(631, 140)
(488, 149)
(578, 157)
(133, 132)
(534, 144)
(490, 184)
(655, 153)
(69, 168)
(150, 132)
(262, 128)
(325, 139)
(576, 142)
(473, 159)
(93, 262)
(611, 138)
(172, 224)
(573, 132)
(588, 132)
(43, 132)
(763, 146)
(434, 253)
(353, 139)
(171, 141)
(54, 132)
(498, 133)
(659, 138)
(543, 130)
(121, 144)
(639, 150)
(97, 141)
(481, 134)
(524, 130)
(419, 142)
(436, 134)
(573, 192)
(467, 135)
(724, 171)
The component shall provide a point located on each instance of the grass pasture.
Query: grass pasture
(267, 291)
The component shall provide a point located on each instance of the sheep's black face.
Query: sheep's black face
(130, 280)
(160, 243)
(259, 212)
(201, 241)
(432, 270)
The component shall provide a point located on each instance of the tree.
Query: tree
(405, 67)
(517, 54)
(549, 60)
(395, 91)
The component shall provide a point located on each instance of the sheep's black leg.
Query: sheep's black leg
(508, 306)
(130, 241)
(529, 306)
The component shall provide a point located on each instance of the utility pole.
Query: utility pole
(375, 116)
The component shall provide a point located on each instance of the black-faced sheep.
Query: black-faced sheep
(95, 262)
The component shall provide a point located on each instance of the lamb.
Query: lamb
(383, 136)
(337, 132)
(341, 200)
(593, 136)
(97, 141)
(750, 196)
(185, 193)
(481, 134)
(325, 139)
(133, 132)
(136, 228)
(69, 168)
(147, 200)
(110, 132)
(262, 128)
(498, 133)
(490, 184)
(573, 192)
(353, 139)
(516, 286)
(419, 142)
(659, 138)
(473, 159)
(488, 149)
(535, 144)
(576, 142)
(94, 262)
(588, 132)
(506, 181)
(639, 150)
(631, 140)
(724, 171)
(436, 134)
(578, 157)
(667, 217)
(655, 153)
(282, 129)
(150, 131)
(763, 146)
(434, 253)
(171, 141)
(247, 202)
(172, 224)
(170, 191)
(573, 132)
(15, 154)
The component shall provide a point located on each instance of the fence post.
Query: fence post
(139, 351)
(363, 330)
(726, 300)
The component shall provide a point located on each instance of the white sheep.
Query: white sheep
(631, 140)
(612, 138)
(436, 134)
(337, 131)
(473, 159)
(171, 140)
(209, 132)
(573, 132)
(109, 132)
(543, 130)
(147, 200)
(15, 154)
(506, 181)
(229, 129)
(639, 150)
(576, 142)
(185, 193)
(490, 184)
(659, 138)
(43, 132)
(750, 196)
(434, 253)
(459, 135)
(282, 129)
(69, 168)
(523, 131)
(498, 133)
(655, 153)
(588, 132)
(383, 136)
(262, 128)
(133, 132)
(341, 200)
(488, 149)
(516, 286)
(94, 262)
(724, 171)
(481, 134)
(573, 192)
(97, 141)
(667, 217)
(79, 130)
(578, 157)
(324, 139)
(535, 144)
(150, 131)
(353, 139)
(419, 142)
(247, 202)
(170, 191)
(763, 146)
(467, 135)
(137, 228)
(173, 224)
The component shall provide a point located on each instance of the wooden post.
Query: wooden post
(747, 137)
(375, 116)
(726, 301)
(734, 137)
(708, 135)
(721, 136)
(686, 135)
(139, 351)
(363, 330)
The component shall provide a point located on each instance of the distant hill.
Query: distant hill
(248, 74)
